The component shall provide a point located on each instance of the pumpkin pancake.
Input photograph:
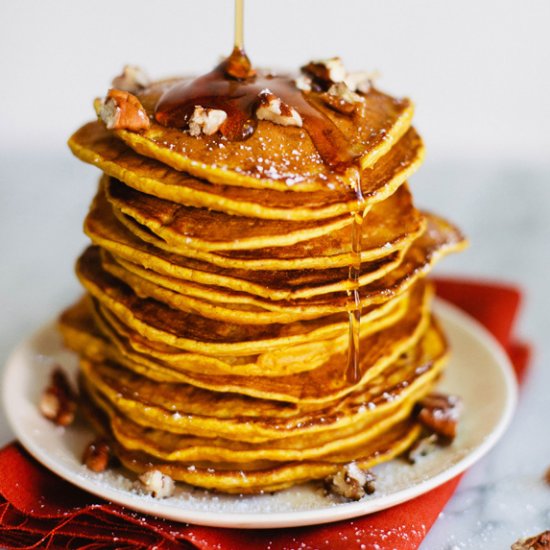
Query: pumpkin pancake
(440, 239)
(225, 311)
(232, 437)
(274, 157)
(210, 415)
(257, 476)
(187, 330)
(92, 332)
(107, 232)
(280, 361)
(323, 383)
(381, 347)
(388, 227)
(203, 229)
(215, 302)
(95, 145)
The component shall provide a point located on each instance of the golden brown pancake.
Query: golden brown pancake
(191, 332)
(257, 476)
(204, 229)
(107, 232)
(274, 157)
(93, 144)
(191, 408)
(388, 227)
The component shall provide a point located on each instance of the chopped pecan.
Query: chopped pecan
(97, 455)
(321, 74)
(123, 111)
(271, 108)
(58, 400)
(360, 81)
(340, 98)
(158, 484)
(538, 542)
(351, 482)
(133, 79)
(206, 121)
(440, 413)
(325, 72)
(303, 82)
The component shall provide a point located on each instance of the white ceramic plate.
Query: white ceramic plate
(479, 372)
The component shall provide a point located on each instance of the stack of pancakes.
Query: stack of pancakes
(214, 333)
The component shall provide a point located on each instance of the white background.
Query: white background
(478, 70)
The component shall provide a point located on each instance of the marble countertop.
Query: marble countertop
(503, 208)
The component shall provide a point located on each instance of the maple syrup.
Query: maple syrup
(239, 25)
(354, 314)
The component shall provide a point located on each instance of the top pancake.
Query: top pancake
(274, 157)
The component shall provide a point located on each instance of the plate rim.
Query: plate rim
(295, 518)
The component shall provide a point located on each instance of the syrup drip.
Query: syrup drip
(239, 25)
(354, 314)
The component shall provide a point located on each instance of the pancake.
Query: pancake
(259, 476)
(274, 157)
(389, 226)
(184, 329)
(224, 311)
(277, 361)
(107, 232)
(323, 383)
(212, 414)
(204, 229)
(87, 331)
(438, 240)
(95, 145)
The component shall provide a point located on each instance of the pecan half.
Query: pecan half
(123, 111)
(351, 482)
(97, 455)
(440, 413)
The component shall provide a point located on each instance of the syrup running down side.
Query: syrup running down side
(352, 372)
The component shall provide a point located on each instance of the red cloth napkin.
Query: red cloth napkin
(40, 510)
